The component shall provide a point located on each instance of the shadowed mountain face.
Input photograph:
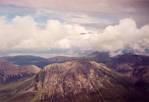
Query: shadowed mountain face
(73, 81)
(135, 67)
(127, 64)
(38, 61)
(27, 60)
(10, 72)
(102, 57)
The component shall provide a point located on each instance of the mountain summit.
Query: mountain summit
(74, 81)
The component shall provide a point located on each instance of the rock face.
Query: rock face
(10, 72)
(76, 81)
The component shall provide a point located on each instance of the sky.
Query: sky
(44, 26)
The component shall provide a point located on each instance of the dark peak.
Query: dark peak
(99, 54)
(132, 58)
(128, 51)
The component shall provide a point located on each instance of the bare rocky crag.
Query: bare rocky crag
(124, 79)
(75, 81)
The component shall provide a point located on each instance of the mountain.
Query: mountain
(62, 59)
(26, 60)
(134, 67)
(128, 64)
(102, 57)
(134, 59)
(38, 61)
(11, 72)
(117, 73)
(72, 81)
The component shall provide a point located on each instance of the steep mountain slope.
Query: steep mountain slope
(10, 72)
(132, 58)
(135, 67)
(74, 81)
(128, 64)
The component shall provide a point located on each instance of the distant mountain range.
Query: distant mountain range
(35, 60)
(26, 60)
(97, 77)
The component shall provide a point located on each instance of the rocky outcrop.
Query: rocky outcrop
(11, 72)
(79, 81)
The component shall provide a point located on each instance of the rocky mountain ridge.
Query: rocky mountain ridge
(11, 72)
(76, 81)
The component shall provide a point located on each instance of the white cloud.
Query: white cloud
(124, 35)
(24, 33)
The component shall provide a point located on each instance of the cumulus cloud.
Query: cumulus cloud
(25, 33)
(124, 35)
